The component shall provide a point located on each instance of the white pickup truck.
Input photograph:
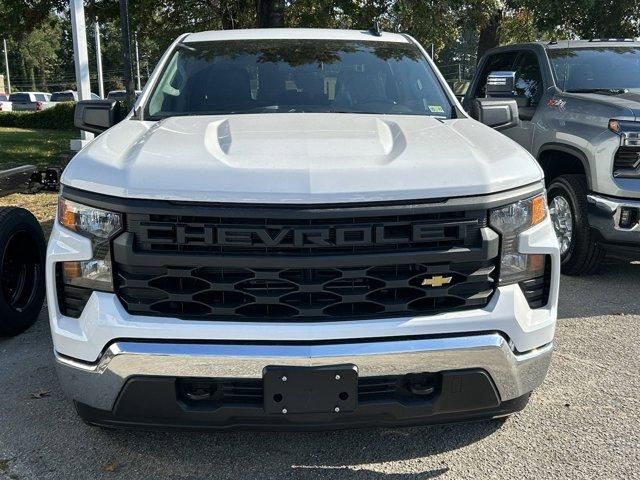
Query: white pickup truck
(300, 229)
(31, 101)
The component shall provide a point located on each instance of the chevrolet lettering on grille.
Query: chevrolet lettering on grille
(283, 236)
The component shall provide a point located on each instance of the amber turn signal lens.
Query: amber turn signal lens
(71, 270)
(614, 126)
(537, 263)
(538, 209)
(66, 214)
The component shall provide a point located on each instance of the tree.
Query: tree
(39, 51)
(526, 20)
(270, 13)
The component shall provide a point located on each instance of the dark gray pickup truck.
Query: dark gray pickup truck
(22, 253)
(578, 104)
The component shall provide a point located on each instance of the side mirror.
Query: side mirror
(96, 116)
(498, 113)
(501, 84)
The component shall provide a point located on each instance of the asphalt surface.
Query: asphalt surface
(584, 422)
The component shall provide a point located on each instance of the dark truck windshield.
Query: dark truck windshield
(271, 76)
(596, 69)
(63, 97)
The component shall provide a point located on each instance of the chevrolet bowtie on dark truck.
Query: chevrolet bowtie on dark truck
(579, 105)
(299, 229)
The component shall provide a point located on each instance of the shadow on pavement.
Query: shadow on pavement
(614, 290)
(334, 454)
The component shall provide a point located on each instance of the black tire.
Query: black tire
(22, 256)
(584, 255)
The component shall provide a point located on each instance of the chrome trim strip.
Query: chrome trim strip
(98, 384)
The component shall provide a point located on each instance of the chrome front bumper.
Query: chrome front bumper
(98, 384)
(604, 216)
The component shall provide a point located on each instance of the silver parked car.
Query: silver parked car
(69, 96)
(120, 95)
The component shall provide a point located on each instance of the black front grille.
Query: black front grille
(305, 293)
(627, 162)
(336, 235)
(300, 264)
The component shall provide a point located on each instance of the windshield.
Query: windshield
(271, 76)
(603, 68)
(20, 97)
(117, 95)
(63, 97)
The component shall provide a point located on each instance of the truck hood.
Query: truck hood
(300, 158)
(628, 103)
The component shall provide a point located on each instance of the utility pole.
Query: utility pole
(135, 36)
(126, 53)
(99, 60)
(6, 65)
(81, 61)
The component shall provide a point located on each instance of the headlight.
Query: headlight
(628, 131)
(88, 221)
(510, 221)
(98, 225)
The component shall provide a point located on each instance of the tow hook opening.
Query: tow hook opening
(197, 390)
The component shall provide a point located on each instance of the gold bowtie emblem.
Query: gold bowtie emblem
(436, 281)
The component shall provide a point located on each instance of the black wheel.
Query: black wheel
(22, 254)
(581, 254)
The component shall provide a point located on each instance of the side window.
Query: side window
(495, 63)
(528, 78)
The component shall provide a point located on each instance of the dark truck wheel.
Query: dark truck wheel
(22, 254)
(581, 254)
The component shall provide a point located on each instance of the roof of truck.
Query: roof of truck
(293, 34)
(556, 44)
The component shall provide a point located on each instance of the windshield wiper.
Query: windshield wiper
(604, 91)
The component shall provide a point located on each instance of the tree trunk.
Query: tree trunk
(489, 35)
(270, 13)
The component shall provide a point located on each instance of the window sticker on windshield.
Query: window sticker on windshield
(436, 109)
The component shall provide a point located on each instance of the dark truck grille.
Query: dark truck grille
(259, 236)
(224, 292)
(322, 264)
(627, 162)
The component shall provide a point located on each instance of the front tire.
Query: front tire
(580, 252)
(22, 254)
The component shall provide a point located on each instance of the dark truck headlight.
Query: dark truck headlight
(99, 226)
(510, 221)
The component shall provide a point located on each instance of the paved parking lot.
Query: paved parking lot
(583, 423)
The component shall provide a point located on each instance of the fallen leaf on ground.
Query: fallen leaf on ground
(40, 394)
(111, 467)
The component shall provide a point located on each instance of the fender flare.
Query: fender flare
(571, 150)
